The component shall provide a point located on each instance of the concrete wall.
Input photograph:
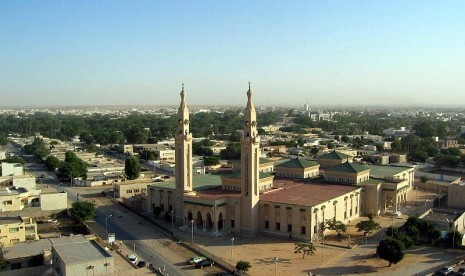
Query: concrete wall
(9, 169)
(29, 183)
(456, 196)
(53, 201)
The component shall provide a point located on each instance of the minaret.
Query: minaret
(250, 144)
(183, 162)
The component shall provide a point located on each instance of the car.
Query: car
(204, 263)
(195, 259)
(461, 272)
(446, 270)
(141, 264)
(132, 258)
(223, 274)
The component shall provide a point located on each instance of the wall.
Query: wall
(53, 201)
(29, 183)
(12, 169)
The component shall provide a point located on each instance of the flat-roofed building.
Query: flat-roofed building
(126, 189)
(266, 165)
(11, 169)
(78, 256)
(17, 229)
(298, 168)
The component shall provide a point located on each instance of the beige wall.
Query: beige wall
(18, 232)
(11, 202)
(53, 201)
(234, 184)
(297, 172)
(351, 178)
(125, 190)
(456, 196)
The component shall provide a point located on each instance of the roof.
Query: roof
(298, 163)
(348, 168)
(306, 194)
(265, 161)
(237, 175)
(334, 155)
(383, 171)
(10, 220)
(199, 181)
(26, 249)
(80, 251)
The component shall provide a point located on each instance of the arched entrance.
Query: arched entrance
(189, 216)
(199, 221)
(220, 222)
(209, 222)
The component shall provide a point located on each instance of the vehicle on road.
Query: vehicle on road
(446, 270)
(132, 258)
(195, 259)
(141, 264)
(223, 274)
(460, 272)
(204, 263)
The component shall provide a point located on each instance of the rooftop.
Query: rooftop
(386, 171)
(348, 168)
(298, 163)
(80, 251)
(200, 182)
(237, 175)
(297, 193)
(10, 220)
(265, 161)
(334, 155)
(26, 249)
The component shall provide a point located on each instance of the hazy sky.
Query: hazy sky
(324, 52)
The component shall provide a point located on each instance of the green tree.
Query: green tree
(453, 238)
(413, 233)
(368, 226)
(232, 152)
(15, 159)
(132, 168)
(336, 225)
(211, 160)
(82, 211)
(137, 135)
(304, 248)
(314, 151)
(434, 235)
(3, 140)
(243, 265)
(391, 250)
(51, 162)
(345, 139)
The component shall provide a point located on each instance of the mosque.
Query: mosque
(286, 204)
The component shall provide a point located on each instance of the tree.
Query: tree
(345, 139)
(82, 211)
(51, 162)
(232, 152)
(453, 238)
(336, 225)
(413, 233)
(15, 159)
(314, 151)
(243, 265)
(132, 168)
(211, 160)
(368, 226)
(305, 248)
(391, 250)
(434, 235)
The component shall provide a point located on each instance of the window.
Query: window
(136, 190)
(302, 230)
(232, 223)
(8, 202)
(278, 226)
(267, 224)
(129, 191)
(14, 229)
(289, 228)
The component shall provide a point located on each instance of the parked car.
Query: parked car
(461, 272)
(195, 260)
(141, 264)
(223, 274)
(132, 258)
(446, 270)
(204, 263)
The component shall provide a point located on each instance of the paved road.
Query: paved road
(127, 226)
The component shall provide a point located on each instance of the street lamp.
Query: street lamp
(232, 245)
(172, 220)
(348, 231)
(366, 246)
(275, 265)
(192, 233)
(106, 224)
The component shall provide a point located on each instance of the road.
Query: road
(127, 226)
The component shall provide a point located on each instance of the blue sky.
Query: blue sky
(324, 52)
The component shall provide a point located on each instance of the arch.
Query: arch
(199, 220)
(189, 215)
(220, 222)
(209, 225)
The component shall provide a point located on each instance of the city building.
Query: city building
(76, 256)
(11, 169)
(297, 168)
(333, 158)
(17, 229)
